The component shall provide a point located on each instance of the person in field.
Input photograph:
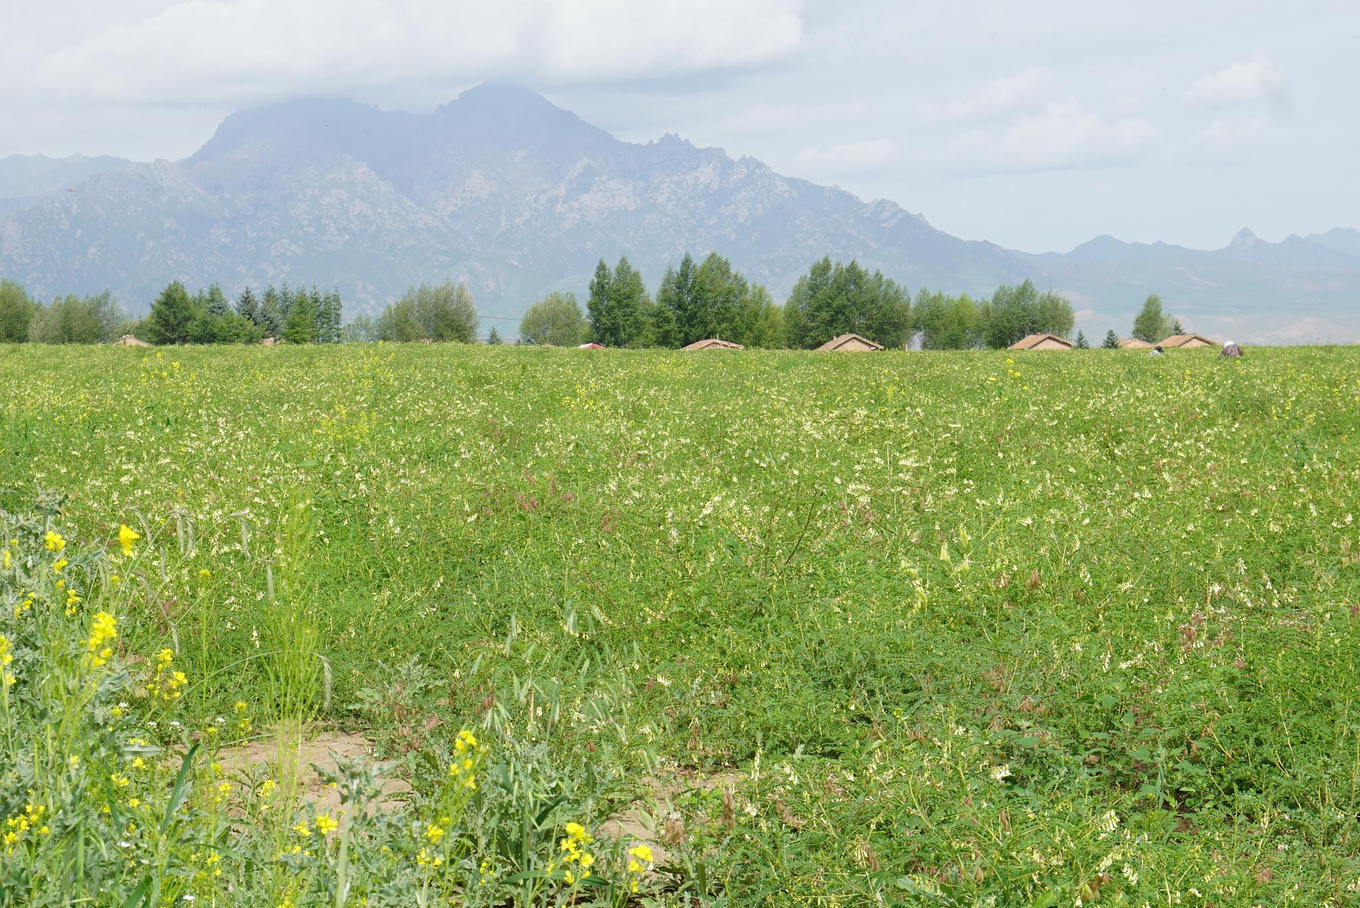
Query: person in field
(1155, 351)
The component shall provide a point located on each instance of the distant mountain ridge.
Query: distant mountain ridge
(504, 190)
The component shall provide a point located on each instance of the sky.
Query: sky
(1035, 125)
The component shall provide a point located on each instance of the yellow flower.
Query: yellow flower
(54, 542)
(204, 573)
(434, 833)
(59, 565)
(641, 852)
(302, 829)
(325, 825)
(102, 631)
(127, 537)
(465, 741)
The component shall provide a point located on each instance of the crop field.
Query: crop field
(651, 628)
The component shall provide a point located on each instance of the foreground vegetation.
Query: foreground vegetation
(926, 628)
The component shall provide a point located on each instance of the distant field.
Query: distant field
(1044, 629)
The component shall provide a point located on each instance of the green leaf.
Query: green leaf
(181, 789)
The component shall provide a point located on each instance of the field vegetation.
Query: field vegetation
(656, 628)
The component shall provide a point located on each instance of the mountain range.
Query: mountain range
(515, 196)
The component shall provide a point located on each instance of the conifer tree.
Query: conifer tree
(248, 306)
(171, 317)
(1081, 341)
(597, 305)
(1111, 341)
(300, 327)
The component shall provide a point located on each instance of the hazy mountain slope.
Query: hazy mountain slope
(32, 176)
(1296, 290)
(516, 196)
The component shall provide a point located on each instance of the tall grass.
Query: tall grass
(918, 628)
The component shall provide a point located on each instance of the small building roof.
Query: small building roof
(268, 341)
(127, 340)
(590, 346)
(849, 343)
(1042, 342)
(712, 343)
(1188, 340)
(1133, 343)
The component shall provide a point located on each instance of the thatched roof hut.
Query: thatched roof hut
(1133, 343)
(1186, 341)
(849, 343)
(127, 340)
(712, 343)
(1042, 342)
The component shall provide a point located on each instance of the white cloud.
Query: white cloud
(1242, 83)
(1063, 137)
(612, 38)
(850, 157)
(239, 51)
(1228, 138)
(997, 98)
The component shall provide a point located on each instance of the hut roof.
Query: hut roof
(1188, 340)
(849, 343)
(127, 340)
(590, 346)
(1133, 343)
(1042, 342)
(713, 343)
(269, 341)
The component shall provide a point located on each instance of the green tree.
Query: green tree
(172, 316)
(1151, 324)
(248, 307)
(945, 322)
(846, 299)
(16, 313)
(679, 317)
(329, 316)
(1081, 341)
(436, 312)
(1111, 341)
(493, 337)
(274, 310)
(75, 320)
(301, 324)
(216, 322)
(1016, 312)
(360, 330)
(768, 329)
(556, 319)
(617, 305)
(724, 301)
(398, 323)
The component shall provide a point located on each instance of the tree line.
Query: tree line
(707, 299)
(297, 315)
(694, 300)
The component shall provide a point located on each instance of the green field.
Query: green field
(955, 629)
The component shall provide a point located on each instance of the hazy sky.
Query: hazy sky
(1037, 125)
